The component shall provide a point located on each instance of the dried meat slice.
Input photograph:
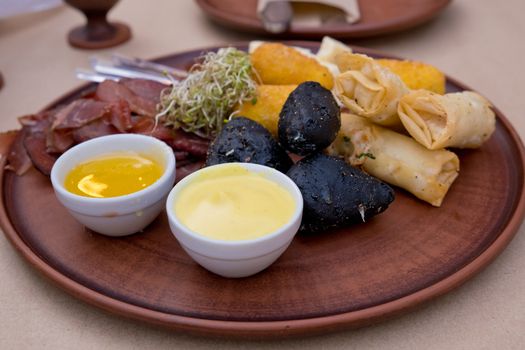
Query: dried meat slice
(148, 89)
(17, 158)
(111, 91)
(59, 141)
(120, 116)
(193, 144)
(188, 168)
(180, 156)
(94, 129)
(35, 145)
(79, 113)
(147, 126)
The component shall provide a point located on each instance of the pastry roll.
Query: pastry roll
(330, 49)
(396, 159)
(462, 119)
(368, 89)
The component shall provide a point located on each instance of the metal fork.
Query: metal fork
(129, 67)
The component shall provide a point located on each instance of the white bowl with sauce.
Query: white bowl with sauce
(235, 231)
(117, 215)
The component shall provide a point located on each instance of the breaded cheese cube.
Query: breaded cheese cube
(267, 105)
(417, 75)
(278, 64)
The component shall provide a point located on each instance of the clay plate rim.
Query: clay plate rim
(273, 329)
(358, 30)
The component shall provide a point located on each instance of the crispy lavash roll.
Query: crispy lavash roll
(396, 159)
(368, 89)
(461, 119)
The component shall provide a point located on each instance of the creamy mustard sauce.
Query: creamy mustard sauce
(112, 175)
(232, 203)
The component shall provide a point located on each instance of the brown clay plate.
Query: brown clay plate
(378, 17)
(348, 278)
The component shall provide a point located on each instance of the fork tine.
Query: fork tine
(134, 62)
(107, 69)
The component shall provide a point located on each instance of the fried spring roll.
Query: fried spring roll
(396, 159)
(462, 119)
(368, 89)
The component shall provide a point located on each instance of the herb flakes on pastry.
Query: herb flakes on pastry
(396, 159)
(462, 119)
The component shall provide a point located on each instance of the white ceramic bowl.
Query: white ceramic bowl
(236, 258)
(122, 215)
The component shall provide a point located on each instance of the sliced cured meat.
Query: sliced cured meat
(180, 156)
(120, 116)
(35, 145)
(128, 106)
(79, 113)
(147, 89)
(59, 141)
(146, 126)
(94, 129)
(193, 144)
(6, 140)
(18, 160)
(188, 168)
(33, 120)
(39, 122)
(111, 91)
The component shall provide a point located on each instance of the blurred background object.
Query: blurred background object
(97, 33)
(10, 8)
(275, 15)
(306, 13)
(343, 19)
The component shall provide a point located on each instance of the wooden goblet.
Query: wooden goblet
(97, 33)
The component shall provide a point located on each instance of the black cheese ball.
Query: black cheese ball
(336, 194)
(309, 120)
(246, 141)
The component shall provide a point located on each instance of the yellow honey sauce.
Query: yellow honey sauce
(233, 203)
(113, 174)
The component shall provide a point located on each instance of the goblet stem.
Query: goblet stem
(97, 33)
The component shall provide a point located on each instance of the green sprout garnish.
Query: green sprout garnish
(366, 154)
(206, 99)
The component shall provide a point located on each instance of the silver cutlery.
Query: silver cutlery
(129, 67)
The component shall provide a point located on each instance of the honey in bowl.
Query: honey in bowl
(233, 203)
(113, 174)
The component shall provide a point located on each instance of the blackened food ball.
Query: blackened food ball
(309, 120)
(336, 194)
(246, 141)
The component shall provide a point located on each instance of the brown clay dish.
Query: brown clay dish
(378, 17)
(348, 278)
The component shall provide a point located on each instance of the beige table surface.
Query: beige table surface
(480, 42)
